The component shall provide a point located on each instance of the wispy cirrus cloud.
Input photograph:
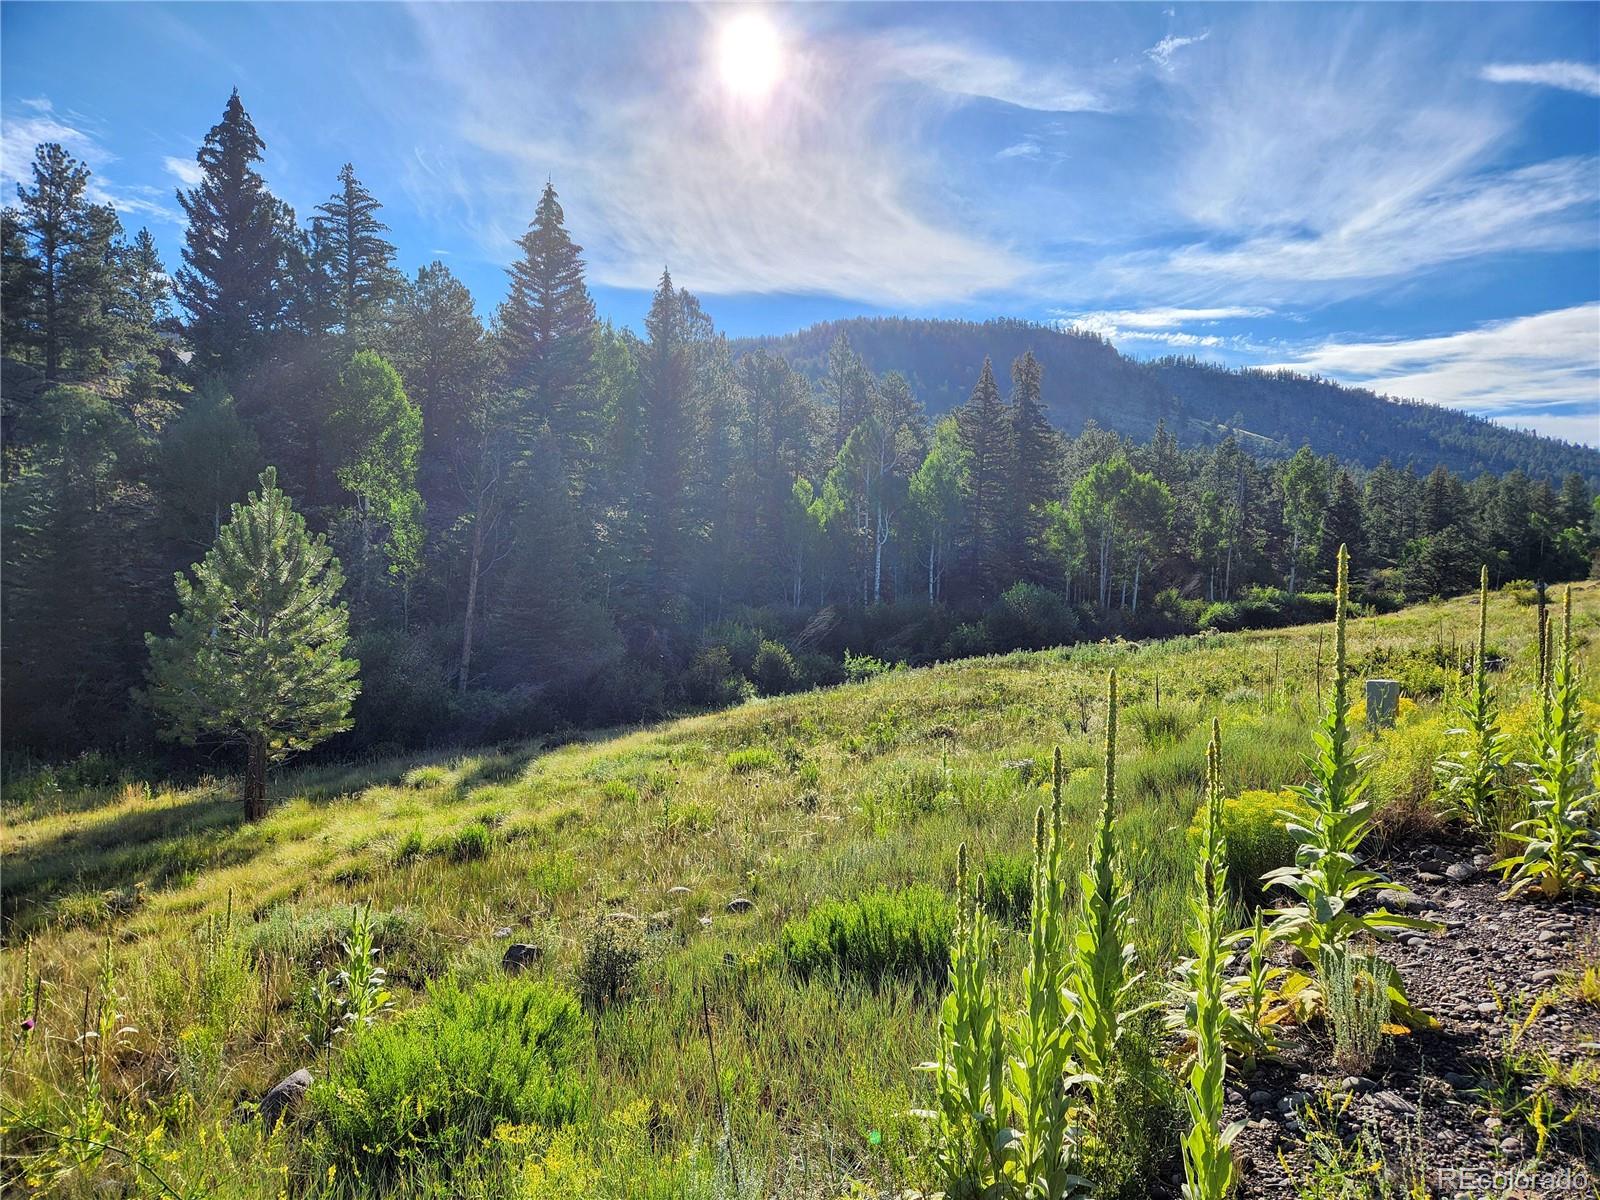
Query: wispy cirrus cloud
(968, 72)
(39, 122)
(1537, 372)
(821, 191)
(185, 170)
(1161, 53)
(1566, 75)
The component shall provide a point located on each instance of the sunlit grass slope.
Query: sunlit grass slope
(126, 893)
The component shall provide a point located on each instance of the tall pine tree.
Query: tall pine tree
(547, 326)
(986, 444)
(356, 261)
(1032, 471)
(231, 283)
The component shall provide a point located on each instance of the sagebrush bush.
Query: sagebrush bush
(774, 671)
(315, 935)
(879, 934)
(431, 1085)
(613, 952)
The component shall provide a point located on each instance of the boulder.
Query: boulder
(519, 956)
(285, 1096)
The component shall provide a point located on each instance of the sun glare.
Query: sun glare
(749, 55)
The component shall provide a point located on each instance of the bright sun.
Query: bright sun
(749, 55)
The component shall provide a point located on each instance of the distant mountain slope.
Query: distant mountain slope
(1085, 377)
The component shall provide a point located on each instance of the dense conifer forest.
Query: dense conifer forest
(545, 521)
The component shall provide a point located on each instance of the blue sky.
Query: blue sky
(1402, 196)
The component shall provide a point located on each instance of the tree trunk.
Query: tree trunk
(1138, 562)
(473, 567)
(1294, 560)
(255, 777)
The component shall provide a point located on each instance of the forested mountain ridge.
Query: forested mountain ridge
(1274, 413)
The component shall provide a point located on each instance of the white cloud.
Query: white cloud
(20, 135)
(965, 71)
(824, 189)
(1569, 76)
(1164, 326)
(1027, 148)
(1161, 53)
(186, 170)
(1539, 371)
(1326, 158)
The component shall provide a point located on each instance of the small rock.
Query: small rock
(501, 931)
(1397, 901)
(1395, 1103)
(285, 1095)
(680, 890)
(1488, 1008)
(1429, 877)
(1358, 1084)
(519, 956)
(1260, 1099)
(1483, 861)
(1462, 1083)
(1511, 1147)
(1457, 903)
(657, 921)
(1548, 975)
(1460, 872)
(741, 904)
(1492, 1123)
(705, 922)
(1550, 937)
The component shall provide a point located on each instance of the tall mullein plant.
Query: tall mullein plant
(1474, 775)
(1328, 874)
(1559, 843)
(1207, 1161)
(975, 1144)
(1103, 978)
(1043, 1079)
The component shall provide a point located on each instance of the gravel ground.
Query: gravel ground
(1428, 1102)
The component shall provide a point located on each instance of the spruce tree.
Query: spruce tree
(1032, 471)
(256, 652)
(55, 215)
(233, 250)
(1341, 523)
(985, 442)
(437, 344)
(356, 261)
(547, 326)
(21, 277)
(846, 389)
(667, 370)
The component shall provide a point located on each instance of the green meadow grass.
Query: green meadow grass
(188, 942)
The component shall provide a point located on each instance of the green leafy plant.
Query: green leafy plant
(1043, 1075)
(1103, 975)
(1473, 776)
(1207, 1162)
(1560, 852)
(351, 999)
(973, 1142)
(1329, 875)
(1255, 833)
(613, 953)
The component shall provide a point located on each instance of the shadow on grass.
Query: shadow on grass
(151, 847)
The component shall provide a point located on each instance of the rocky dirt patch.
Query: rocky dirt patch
(1451, 1107)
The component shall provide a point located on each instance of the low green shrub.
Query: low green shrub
(751, 758)
(859, 667)
(467, 844)
(1030, 617)
(774, 671)
(882, 933)
(411, 846)
(316, 935)
(1161, 726)
(1008, 888)
(429, 1087)
(712, 681)
(1256, 833)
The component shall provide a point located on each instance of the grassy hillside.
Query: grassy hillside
(1086, 378)
(189, 944)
